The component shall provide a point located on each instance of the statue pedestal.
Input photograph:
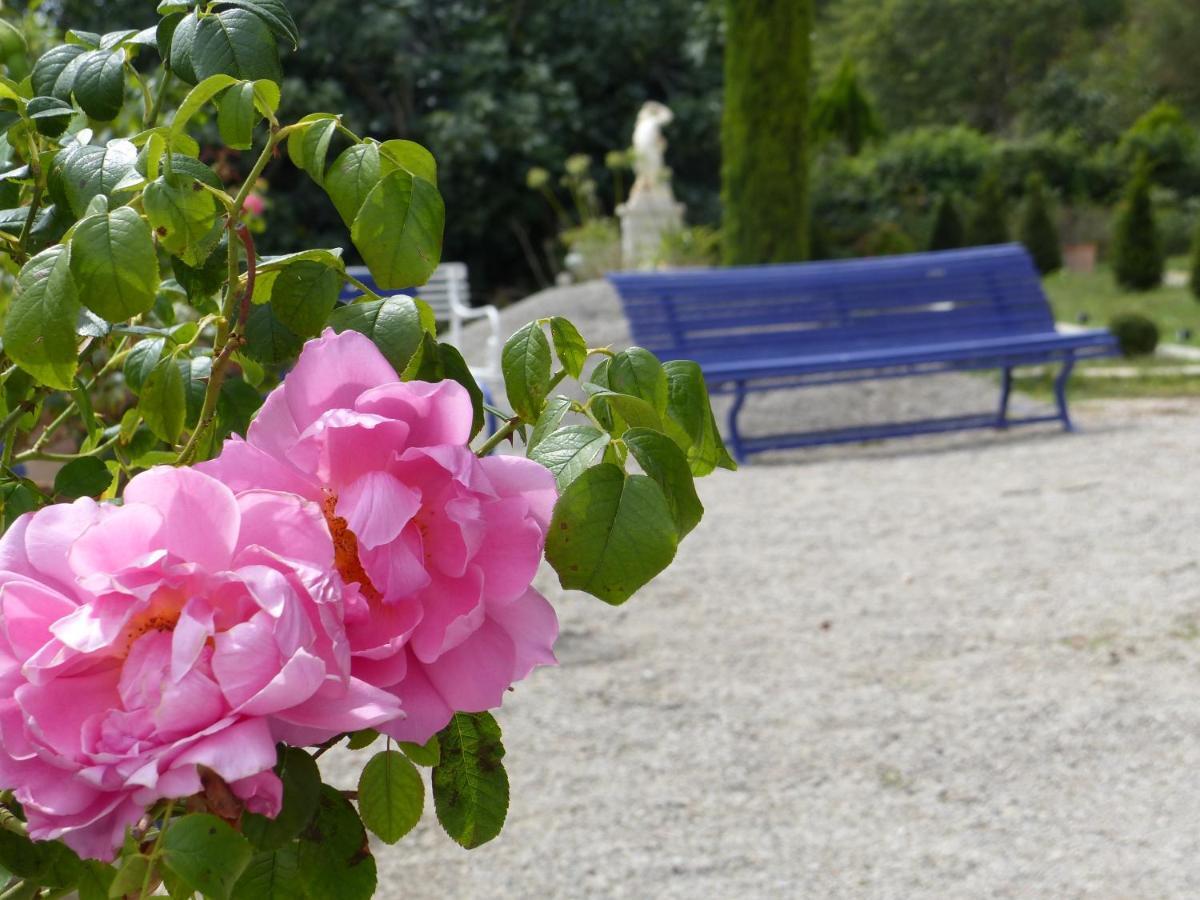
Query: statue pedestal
(647, 216)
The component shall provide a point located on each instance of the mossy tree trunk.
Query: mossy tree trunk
(764, 131)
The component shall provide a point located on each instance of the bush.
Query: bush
(1038, 232)
(695, 246)
(1137, 335)
(1194, 280)
(989, 221)
(1137, 249)
(947, 232)
(886, 239)
(1165, 139)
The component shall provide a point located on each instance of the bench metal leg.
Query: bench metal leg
(735, 437)
(1005, 393)
(1060, 393)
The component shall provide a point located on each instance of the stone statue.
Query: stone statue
(649, 146)
(651, 211)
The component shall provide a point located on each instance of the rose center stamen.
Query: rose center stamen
(345, 549)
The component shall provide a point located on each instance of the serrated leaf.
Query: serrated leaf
(427, 754)
(335, 858)
(99, 85)
(391, 795)
(275, 14)
(690, 416)
(569, 345)
(141, 362)
(50, 115)
(304, 295)
(266, 97)
(237, 115)
(87, 171)
(184, 217)
(525, 361)
(235, 42)
(39, 329)
(201, 94)
(271, 876)
(130, 876)
(396, 325)
(89, 39)
(661, 459)
(362, 739)
(301, 789)
(638, 372)
(183, 44)
(206, 854)
(113, 39)
(623, 410)
(398, 230)
(554, 412)
(86, 477)
(409, 156)
(308, 147)
(331, 257)
(351, 177)
(47, 77)
(95, 879)
(163, 402)
(115, 265)
(611, 533)
(568, 451)
(470, 786)
(268, 340)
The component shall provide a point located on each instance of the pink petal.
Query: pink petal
(331, 372)
(200, 515)
(512, 551)
(293, 527)
(299, 679)
(273, 430)
(56, 711)
(515, 476)
(236, 752)
(53, 530)
(437, 413)
(192, 631)
(474, 675)
(454, 609)
(425, 711)
(376, 508)
(246, 659)
(243, 467)
(27, 611)
(344, 707)
(13, 557)
(342, 445)
(533, 627)
(122, 536)
(262, 793)
(398, 569)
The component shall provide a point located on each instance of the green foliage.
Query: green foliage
(886, 239)
(1137, 251)
(989, 217)
(1194, 268)
(1167, 142)
(470, 786)
(205, 854)
(391, 795)
(1137, 335)
(764, 131)
(1037, 230)
(948, 232)
(842, 111)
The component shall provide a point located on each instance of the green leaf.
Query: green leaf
(427, 754)
(141, 362)
(391, 795)
(237, 115)
(268, 340)
(266, 97)
(525, 362)
(99, 85)
(201, 282)
(351, 177)
(332, 258)
(114, 39)
(184, 217)
(448, 364)
(639, 373)
(301, 789)
(95, 879)
(18, 499)
(470, 786)
(39, 330)
(206, 854)
(690, 415)
(115, 265)
(661, 459)
(396, 325)
(195, 385)
(50, 115)
(569, 345)
(409, 156)
(275, 14)
(130, 877)
(398, 230)
(88, 171)
(273, 875)
(569, 451)
(238, 43)
(236, 405)
(54, 72)
(86, 477)
(362, 739)
(183, 45)
(304, 295)
(335, 858)
(624, 410)
(309, 146)
(610, 533)
(164, 398)
(556, 409)
(197, 97)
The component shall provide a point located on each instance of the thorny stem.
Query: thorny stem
(35, 169)
(510, 427)
(329, 744)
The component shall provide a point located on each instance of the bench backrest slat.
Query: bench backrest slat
(827, 307)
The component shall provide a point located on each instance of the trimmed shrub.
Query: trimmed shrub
(989, 221)
(948, 232)
(764, 131)
(1194, 280)
(1137, 335)
(843, 111)
(1038, 232)
(1137, 249)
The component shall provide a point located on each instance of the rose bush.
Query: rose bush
(189, 619)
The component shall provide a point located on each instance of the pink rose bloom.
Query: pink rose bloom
(186, 627)
(441, 545)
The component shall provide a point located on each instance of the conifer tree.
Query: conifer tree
(1038, 232)
(947, 233)
(1137, 248)
(989, 220)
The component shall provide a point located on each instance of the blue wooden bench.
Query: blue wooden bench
(763, 328)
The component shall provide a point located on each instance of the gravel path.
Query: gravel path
(959, 666)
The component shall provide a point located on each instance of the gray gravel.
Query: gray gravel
(959, 666)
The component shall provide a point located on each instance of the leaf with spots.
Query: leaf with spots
(334, 857)
(470, 786)
(205, 854)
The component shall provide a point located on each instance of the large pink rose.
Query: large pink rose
(186, 627)
(442, 545)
